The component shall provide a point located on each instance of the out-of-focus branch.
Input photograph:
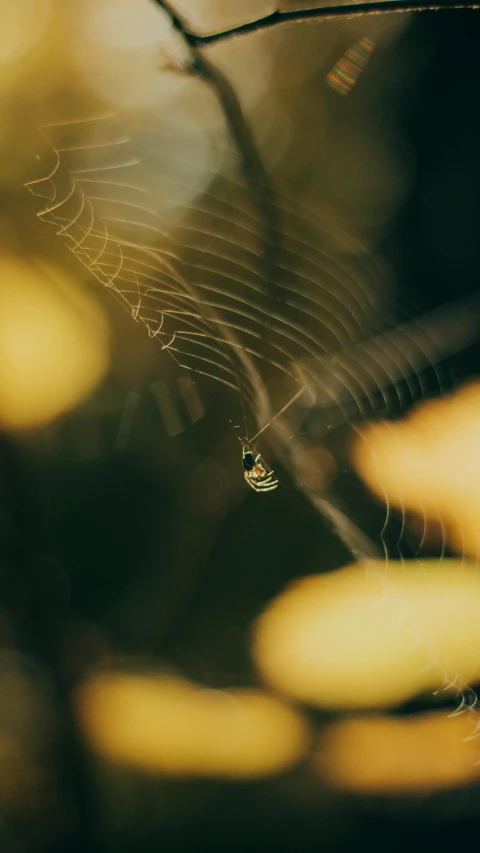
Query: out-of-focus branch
(254, 172)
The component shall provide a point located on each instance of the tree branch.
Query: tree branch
(254, 171)
(350, 10)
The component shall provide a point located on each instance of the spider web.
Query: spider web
(202, 287)
(248, 288)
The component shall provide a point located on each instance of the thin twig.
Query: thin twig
(350, 10)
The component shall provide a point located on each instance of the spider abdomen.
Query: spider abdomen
(248, 460)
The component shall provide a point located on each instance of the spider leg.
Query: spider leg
(250, 482)
(266, 485)
(268, 488)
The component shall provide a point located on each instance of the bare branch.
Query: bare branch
(350, 10)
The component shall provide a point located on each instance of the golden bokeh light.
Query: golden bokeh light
(398, 755)
(430, 463)
(167, 725)
(53, 344)
(371, 637)
(24, 23)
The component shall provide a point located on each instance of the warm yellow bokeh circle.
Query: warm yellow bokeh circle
(167, 725)
(398, 755)
(429, 463)
(372, 635)
(54, 344)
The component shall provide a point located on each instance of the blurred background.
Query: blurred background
(290, 219)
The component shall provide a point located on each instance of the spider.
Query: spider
(259, 476)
